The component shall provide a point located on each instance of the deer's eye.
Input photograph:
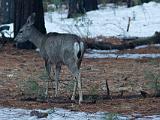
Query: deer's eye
(20, 31)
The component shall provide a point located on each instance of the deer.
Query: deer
(56, 49)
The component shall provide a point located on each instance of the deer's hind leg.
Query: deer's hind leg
(79, 87)
(76, 73)
(74, 89)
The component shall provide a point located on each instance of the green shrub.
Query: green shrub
(31, 88)
(154, 81)
(111, 116)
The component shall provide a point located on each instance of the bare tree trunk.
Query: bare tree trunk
(1, 15)
(23, 9)
(75, 8)
(78, 7)
(129, 3)
(90, 5)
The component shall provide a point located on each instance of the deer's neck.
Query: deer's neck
(36, 37)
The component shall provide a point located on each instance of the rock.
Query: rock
(137, 115)
(144, 93)
(38, 114)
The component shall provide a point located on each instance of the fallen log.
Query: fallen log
(155, 39)
(126, 44)
(109, 46)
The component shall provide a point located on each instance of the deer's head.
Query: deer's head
(25, 31)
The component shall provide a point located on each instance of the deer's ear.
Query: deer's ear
(31, 19)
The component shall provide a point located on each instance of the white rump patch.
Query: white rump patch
(82, 47)
(76, 49)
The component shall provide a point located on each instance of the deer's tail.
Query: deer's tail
(78, 49)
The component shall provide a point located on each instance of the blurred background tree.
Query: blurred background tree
(23, 9)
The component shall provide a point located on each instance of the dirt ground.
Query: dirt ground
(23, 78)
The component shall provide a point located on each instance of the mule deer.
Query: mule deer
(57, 49)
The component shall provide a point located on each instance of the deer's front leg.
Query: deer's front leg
(57, 73)
(48, 70)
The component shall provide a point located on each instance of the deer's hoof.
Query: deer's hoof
(46, 94)
(80, 102)
(73, 98)
(55, 95)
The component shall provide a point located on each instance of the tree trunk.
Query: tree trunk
(6, 11)
(79, 7)
(23, 9)
(1, 12)
(90, 5)
(75, 8)
(129, 3)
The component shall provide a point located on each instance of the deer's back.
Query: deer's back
(59, 47)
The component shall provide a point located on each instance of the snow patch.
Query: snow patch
(62, 114)
(109, 21)
(126, 56)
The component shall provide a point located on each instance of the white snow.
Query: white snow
(145, 46)
(8, 33)
(62, 114)
(93, 53)
(128, 56)
(56, 114)
(154, 117)
(108, 21)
